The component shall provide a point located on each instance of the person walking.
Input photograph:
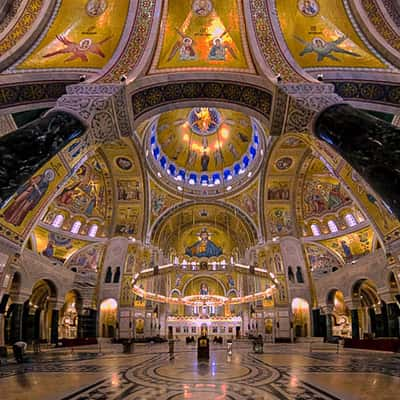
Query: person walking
(171, 346)
(19, 349)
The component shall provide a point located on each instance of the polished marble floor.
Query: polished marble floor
(282, 372)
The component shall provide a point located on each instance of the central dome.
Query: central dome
(205, 148)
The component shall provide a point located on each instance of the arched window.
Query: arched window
(350, 220)
(117, 275)
(315, 230)
(108, 275)
(93, 230)
(58, 221)
(332, 226)
(76, 226)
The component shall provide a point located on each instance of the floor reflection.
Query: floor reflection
(282, 372)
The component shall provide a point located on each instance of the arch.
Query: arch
(202, 276)
(76, 227)
(69, 315)
(92, 232)
(301, 317)
(364, 292)
(58, 221)
(249, 234)
(108, 314)
(38, 314)
(175, 292)
(180, 90)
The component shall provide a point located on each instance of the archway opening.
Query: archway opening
(69, 316)
(301, 317)
(341, 317)
(370, 318)
(108, 318)
(40, 319)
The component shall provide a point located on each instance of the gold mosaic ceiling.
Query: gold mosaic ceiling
(204, 139)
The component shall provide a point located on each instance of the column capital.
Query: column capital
(303, 102)
(101, 107)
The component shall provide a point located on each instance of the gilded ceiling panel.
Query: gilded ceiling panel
(202, 34)
(319, 34)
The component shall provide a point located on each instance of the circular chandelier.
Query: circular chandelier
(204, 300)
(200, 300)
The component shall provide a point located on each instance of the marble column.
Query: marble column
(55, 315)
(393, 320)
(24, 151)
(2, 327)
(316, 322)
(355, 325)
(87, 323)
(16, 323)
(368, 144)
(329, 325)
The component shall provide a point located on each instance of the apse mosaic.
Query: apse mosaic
(84, 34)
(202, 34)
(320, 34)
(352, 246)
(204, 247)
(205, 242)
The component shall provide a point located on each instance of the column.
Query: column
(55, 315)
(87, 323)
(393, 320)
(316, 316)
(24, 151)
(367, 144)
(355, 325)
(16, 323)
(329, 328)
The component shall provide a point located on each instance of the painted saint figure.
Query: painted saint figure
(28, 197)
(346, 250)
(218, 49)
(204, 247)
(309, 8)
(183, 46)
(79, 50)
(205, 159)
(203, 289)
(202, 7)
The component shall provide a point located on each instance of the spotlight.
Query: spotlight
(320, 77)
(279, 78)
(123, 78)
(82, 78)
